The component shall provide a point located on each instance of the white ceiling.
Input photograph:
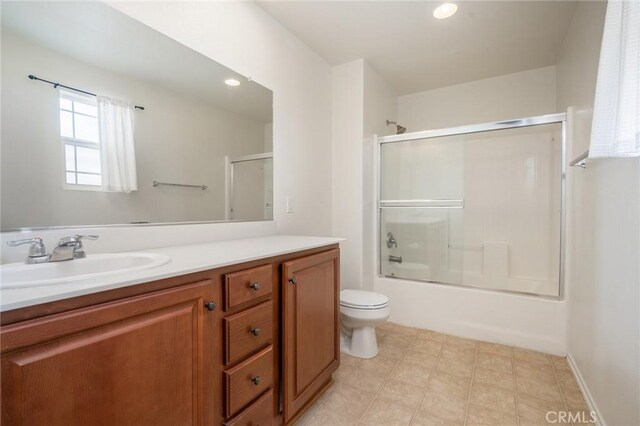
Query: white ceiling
(414, 51)
(95, 33)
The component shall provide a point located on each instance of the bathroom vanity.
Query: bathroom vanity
(248, 343)
(238, 332)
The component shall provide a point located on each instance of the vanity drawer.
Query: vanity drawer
(247, 331)
(260, 413)
(246, 381)
(250, 284)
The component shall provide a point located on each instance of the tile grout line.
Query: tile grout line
(515, 386)
(473, 374)
(553, 367)
(323, 399)
(426, 388)
(364, 413)
(443, 340)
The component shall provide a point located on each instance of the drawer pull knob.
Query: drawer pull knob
(293, 280)
(255, 331)
(210, 305)
(256, 380)
(255, 286)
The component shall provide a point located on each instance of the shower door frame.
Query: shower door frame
(559, 118)
(229, 163)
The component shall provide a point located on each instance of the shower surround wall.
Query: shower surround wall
(524, 321)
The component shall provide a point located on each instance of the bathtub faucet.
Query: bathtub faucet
(395, 259)
(391, 240)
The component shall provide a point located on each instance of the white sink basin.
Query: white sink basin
(20, 275)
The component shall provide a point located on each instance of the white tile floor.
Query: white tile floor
(421, 377)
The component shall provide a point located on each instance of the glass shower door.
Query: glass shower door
(421, 208)
(251, 189)
(480, 209)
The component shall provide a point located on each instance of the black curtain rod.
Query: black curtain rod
(56, 85)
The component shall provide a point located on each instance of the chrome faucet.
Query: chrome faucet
(395, 259)
(68, 248)
(37, 250)
(391, 240)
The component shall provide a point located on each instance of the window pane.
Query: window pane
(70, 158)
(88, 160)
(66, 124)
(86, 128)
(83, 108)
(65, 104)
(71, 178)
(89, 179)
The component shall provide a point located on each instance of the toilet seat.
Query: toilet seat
(363, 300)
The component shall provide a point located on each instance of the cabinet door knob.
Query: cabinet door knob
(255, 331)
(293, 280)
(255, 286)
(256, 380)
(210, 305)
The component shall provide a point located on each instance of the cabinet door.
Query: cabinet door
(310, 327)
(145, 360)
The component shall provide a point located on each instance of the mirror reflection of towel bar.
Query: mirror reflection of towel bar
(423, 203)
(184, 185)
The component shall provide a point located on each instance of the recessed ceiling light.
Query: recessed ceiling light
(232, 82)
(445, 10)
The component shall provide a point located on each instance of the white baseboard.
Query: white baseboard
(585, 391)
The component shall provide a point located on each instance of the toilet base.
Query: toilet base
(362, 343)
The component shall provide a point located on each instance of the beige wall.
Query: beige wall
(362, 101)
(604, 242)
(347, 168)
(380, 105)
(177, 139)
(510, 96)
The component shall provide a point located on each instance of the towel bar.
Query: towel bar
(184, 185)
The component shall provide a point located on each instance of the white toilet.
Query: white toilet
(361, 312)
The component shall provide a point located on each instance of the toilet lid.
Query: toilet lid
(360, 299)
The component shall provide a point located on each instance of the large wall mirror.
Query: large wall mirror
(106, 121)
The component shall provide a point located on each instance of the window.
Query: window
(80, 135)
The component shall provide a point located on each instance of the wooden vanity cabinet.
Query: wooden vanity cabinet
(310, 322)
(143, 360)
(244, 345)
(251, 366)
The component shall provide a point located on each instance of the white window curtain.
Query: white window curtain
(115, 118)
(615, 131)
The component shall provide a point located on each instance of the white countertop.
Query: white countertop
(184, 260)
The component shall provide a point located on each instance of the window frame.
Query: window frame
(76, 143)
